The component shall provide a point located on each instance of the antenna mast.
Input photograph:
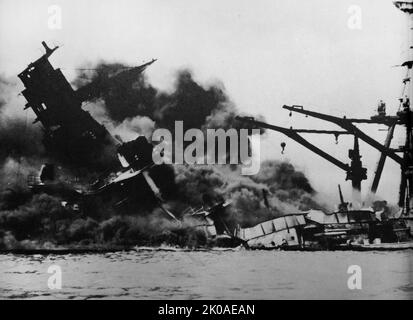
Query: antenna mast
(405, 115)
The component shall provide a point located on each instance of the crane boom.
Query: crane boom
(355, 172)
(382, 160)
(291, 133)
(348, 125)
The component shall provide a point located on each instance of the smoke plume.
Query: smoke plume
(129, 109)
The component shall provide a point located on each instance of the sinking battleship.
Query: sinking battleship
(125, 176)
(75, 138)
(350, 228)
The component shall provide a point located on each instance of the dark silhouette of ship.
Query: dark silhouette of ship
(127, 177)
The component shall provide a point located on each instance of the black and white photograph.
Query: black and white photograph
(227, 151)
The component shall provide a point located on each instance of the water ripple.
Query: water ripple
(162, 273)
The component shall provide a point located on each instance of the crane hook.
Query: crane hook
(283, 145)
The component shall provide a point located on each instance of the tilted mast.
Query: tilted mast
(405, 115)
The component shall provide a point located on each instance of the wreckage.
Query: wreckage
(75, 138)
(365, 228)
(127, 177)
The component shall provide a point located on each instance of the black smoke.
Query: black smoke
(28, 219)
(198, 106)
(287, 191)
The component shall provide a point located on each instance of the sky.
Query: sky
(267, 53)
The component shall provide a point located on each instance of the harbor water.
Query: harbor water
(216, 274)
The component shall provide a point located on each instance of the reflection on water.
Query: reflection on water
(236, 274)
